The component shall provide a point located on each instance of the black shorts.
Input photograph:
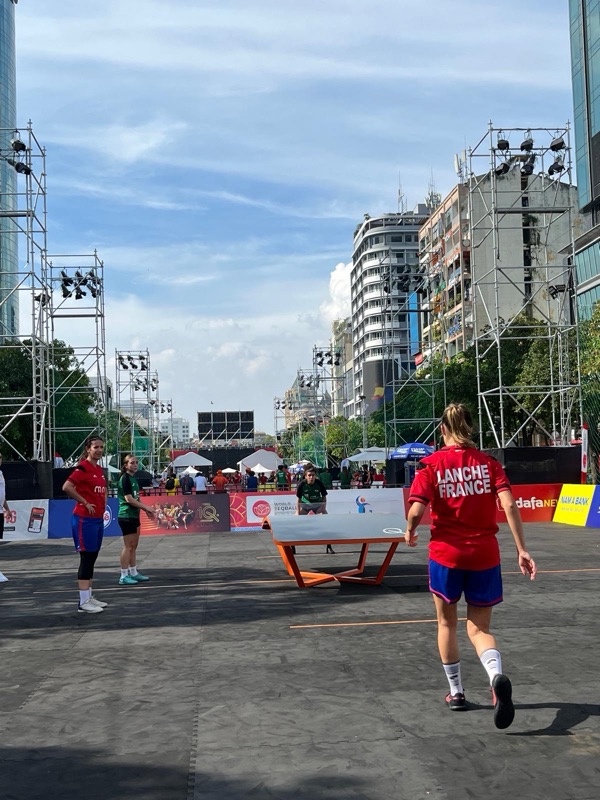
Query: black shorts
(128, 525)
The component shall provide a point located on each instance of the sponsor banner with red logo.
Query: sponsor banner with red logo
(536, 502)
(250, 509)
(193, 513)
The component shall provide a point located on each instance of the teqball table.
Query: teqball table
(290, 532)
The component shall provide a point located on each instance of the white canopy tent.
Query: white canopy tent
(191, 460)
(189, 471)
(266, 458)
(228, 471)
(371, 454)
(258, 468)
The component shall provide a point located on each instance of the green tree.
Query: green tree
(71, 402)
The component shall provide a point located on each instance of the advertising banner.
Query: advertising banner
(27, 519)
(61, 513)
(536, 502)
(193, 513)
(250, 509)
(574, 504)
(593, 517)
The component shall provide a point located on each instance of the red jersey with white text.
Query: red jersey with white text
(462, 485)
(90, 483)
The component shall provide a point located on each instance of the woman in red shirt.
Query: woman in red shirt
(87, 486)
(462, 485)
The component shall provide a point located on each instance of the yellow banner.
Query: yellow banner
(574, 504)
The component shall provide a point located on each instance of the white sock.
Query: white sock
(84, 594)
(492, 662)
(124, 573)
(454, 679)
(133, 570)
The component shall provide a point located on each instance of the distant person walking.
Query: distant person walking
(461, 483)
(87, 486)
(128, 494)
(4, 509)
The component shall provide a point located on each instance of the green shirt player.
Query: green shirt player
(312, 496)
(128, 517)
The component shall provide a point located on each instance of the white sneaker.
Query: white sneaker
(99, 603)
(89, 607)
(3, 577)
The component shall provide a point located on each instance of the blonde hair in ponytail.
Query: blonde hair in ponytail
(459, 424)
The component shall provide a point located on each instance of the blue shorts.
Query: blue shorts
(482, 587)
(88, 533)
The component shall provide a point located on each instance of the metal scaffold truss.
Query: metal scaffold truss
(77, 315)
(400, 289)
(521, 229)
(25, 295)
(139, 409)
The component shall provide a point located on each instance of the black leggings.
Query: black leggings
(86, 565)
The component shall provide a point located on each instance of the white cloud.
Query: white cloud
(338, 305)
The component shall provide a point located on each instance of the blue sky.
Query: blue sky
(218, 155)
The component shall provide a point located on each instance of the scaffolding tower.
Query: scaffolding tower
(77, 310)
(135, 390)
(25, 294)
(521, 228)
(404, 297)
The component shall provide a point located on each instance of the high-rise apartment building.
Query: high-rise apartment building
(9, 307)
(585, 52)
(385, 332)
(177, 428)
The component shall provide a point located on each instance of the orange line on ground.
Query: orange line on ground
(364, 624)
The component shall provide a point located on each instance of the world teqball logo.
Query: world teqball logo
(261, 508)
(107, 517)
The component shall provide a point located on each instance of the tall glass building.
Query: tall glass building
(585, 62)
(9, 304)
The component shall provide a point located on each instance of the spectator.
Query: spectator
(200, 484)
(251, 481)
(220, 482)
(281, 478)
(345, 478)
(325, 477)
(187, 483)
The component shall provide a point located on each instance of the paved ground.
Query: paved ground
(221, 680)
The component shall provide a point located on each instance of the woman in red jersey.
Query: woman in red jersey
(87, 486)
(462, 484)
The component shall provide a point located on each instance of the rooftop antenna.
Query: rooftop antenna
(401, 197)
(434, 198)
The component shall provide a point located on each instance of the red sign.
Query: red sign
(536, 502)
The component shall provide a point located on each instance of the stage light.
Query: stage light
(556, 167)
(527, 168)
(337, 359)
(502, 168)
(122, 363)
(386, 288)
(558, 143)
(132, 363)
(277, 405)
(22, 168)
(527, 143)
(301, 382)
(502, 143)
(18, 145)
(79, 293)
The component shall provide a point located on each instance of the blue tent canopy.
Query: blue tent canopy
(414, 450)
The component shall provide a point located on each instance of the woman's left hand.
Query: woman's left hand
(411, 537)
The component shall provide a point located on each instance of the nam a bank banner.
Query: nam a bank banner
(579, 505)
